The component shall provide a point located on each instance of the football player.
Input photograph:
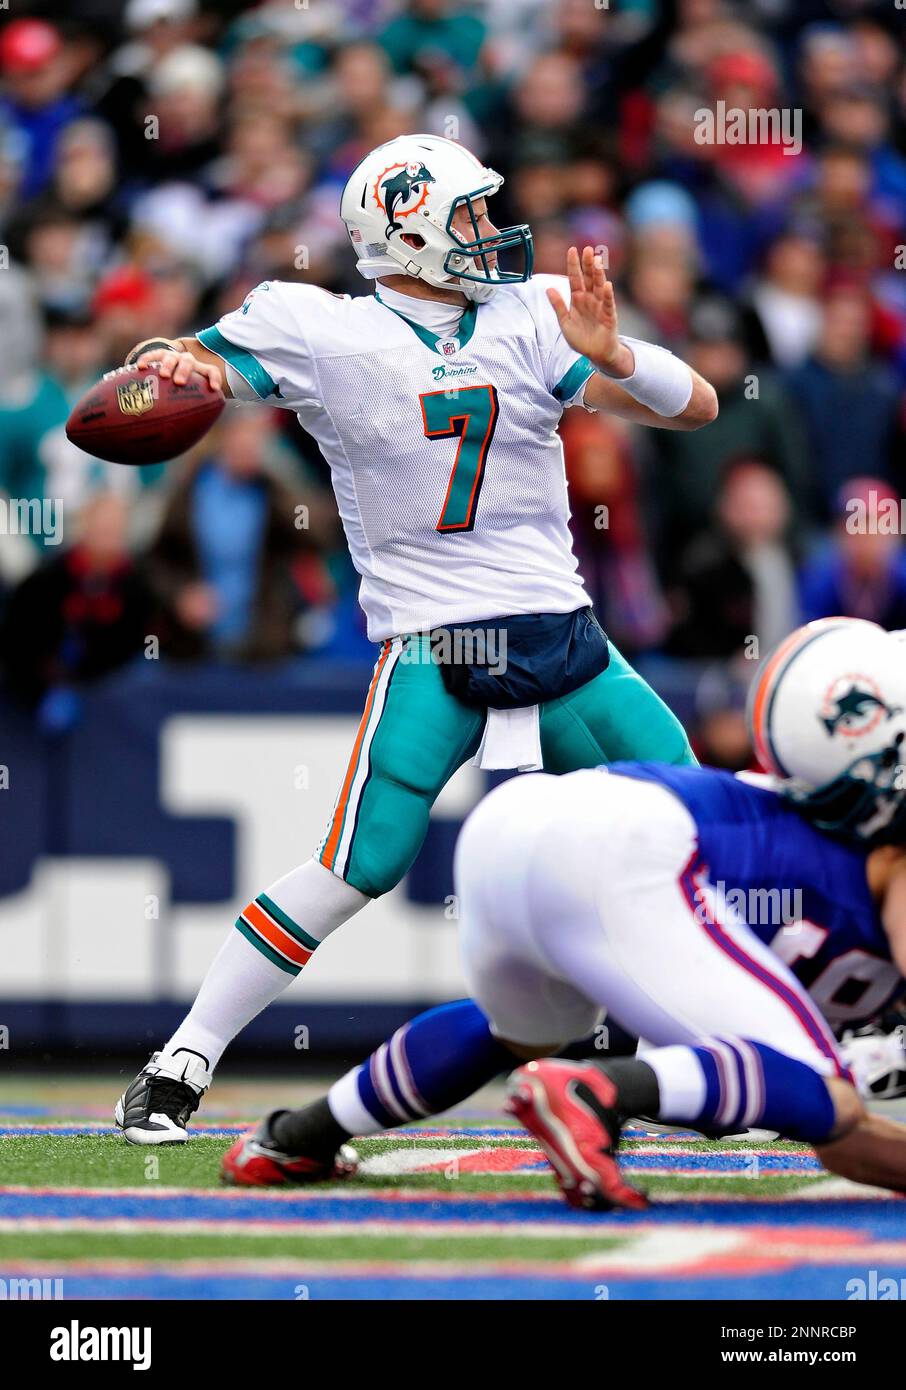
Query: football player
(435, 401)
(642, 890)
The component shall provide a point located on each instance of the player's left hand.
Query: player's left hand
(589, 322)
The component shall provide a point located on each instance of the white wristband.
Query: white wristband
(660, 380)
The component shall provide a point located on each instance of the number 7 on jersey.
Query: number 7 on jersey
(469, 415)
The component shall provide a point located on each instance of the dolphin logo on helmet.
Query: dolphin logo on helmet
(413, 206)
(402, 186)
(856, 709)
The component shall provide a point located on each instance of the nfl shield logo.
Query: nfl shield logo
(137, 396)
(449, 347)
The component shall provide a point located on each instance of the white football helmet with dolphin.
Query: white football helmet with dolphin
(827, 715)
(412, 187)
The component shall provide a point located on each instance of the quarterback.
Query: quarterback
(435, 401)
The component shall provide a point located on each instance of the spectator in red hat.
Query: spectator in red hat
(744, 86)
(36, 72)
(123, 304)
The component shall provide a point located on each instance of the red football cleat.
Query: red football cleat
(572, 1109)
(255, 1161)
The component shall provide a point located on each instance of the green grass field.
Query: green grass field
(463, 1205)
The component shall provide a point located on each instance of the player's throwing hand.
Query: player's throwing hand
(589, 322)
(180, 366)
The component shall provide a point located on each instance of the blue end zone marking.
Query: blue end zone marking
(740, 1162)
(887, 1219)
(796, 1282)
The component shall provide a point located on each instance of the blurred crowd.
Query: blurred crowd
(159, 158)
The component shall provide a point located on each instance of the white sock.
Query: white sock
(347, 1108)
(681, 1082)
(241, 980)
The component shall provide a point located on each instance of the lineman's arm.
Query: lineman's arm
(872, 1149)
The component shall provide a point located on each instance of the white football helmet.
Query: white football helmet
(414, 185)
(827, 715)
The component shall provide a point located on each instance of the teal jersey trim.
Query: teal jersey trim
(248, 367)
(462, 336)
(573, 380)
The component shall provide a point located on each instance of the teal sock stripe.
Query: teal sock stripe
(287, 923)
(264, 948)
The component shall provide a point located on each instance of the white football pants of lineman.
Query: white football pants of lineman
(571, 901)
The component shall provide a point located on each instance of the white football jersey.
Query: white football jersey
(445, 460)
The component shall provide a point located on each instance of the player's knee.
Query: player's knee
(387, 841)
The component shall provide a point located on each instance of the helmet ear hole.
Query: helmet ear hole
(414, 240)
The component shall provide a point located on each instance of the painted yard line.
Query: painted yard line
(418, 1133)
(720, 1163)
(521, 1163)
(725, 1209)
(354, 1196)
(213, 1226)
(399, 1161)
(700, 1251)
(293, 1269)
(305, 1201)
(718, 1174)
(643, 1144)
(73, 1128)
(211, 1129)
(816, 1190)
(837, 1189)
(268, 1195)
(643, 1149)
(668, 1252)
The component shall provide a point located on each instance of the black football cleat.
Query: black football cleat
(156, 1106)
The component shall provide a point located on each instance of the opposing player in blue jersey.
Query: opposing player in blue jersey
(727, 923)
(733, 925)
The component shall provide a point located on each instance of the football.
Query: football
(134, 416)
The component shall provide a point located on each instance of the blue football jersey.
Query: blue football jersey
(800, 891)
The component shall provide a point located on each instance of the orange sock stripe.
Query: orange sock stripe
(281, 940)
(332, 844)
